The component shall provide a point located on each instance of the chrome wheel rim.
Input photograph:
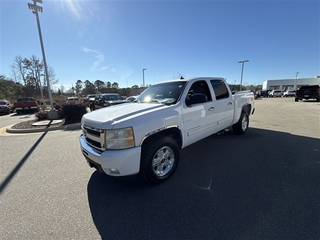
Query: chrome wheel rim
(163, 161)
(244, 123)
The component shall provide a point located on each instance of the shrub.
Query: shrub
(72, 112)
(42, 115)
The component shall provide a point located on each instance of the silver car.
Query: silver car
(275, 93)
(289, 93)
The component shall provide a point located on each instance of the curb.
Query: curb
(69, 127)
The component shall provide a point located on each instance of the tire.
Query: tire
(159, 159)
(296, 99)
(242, 125)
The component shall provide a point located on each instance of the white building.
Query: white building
(289, 84)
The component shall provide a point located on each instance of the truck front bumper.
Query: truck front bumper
(122, 162)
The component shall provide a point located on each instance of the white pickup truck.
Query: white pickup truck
(146, 136)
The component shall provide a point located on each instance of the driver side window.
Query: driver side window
(199, 92)
(200, 87)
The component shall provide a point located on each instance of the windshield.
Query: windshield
(112, 97)
(2, 103)
(25, 100)
(165, 93)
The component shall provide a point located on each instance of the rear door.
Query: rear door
(224, 104)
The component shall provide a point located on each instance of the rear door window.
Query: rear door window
(220, 89)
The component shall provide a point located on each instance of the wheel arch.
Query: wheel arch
(247, 108)
(173, 131)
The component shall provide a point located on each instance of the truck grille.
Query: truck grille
(94, 137)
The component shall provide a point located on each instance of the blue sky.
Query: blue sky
(114, 40)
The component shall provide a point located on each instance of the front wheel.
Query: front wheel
(242, 125)
(159, 159)
(296, 99)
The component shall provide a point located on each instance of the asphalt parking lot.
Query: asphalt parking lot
(261, 185)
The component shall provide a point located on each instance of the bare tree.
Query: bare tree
(18, 70)
(29, 72)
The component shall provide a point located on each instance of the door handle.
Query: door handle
(211, 109)
(229, 103)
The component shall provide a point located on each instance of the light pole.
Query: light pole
(53, 114)
(143, 76)
(295, 81)
(243, 61)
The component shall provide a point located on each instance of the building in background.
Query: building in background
(289, 84)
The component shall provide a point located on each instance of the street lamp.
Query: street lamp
(53, 114)
(243, 61)
(143, 76)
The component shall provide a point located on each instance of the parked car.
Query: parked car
(26, 104)
(90, 97)
(308, 92)
(263, 93)
(289, 93)
(147, 136)
(275, 93)
(108, 99)
(131, 98)
(72, 99)
(6, 106)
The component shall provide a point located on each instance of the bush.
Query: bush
(42, 115)
(72, 112)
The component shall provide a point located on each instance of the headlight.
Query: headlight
(119, 138)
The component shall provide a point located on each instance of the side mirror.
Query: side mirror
(196, 98)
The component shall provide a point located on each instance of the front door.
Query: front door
(200, 120)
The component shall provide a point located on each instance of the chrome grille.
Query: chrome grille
(94, 137)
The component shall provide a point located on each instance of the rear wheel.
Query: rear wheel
(242, 125)
(159, 159)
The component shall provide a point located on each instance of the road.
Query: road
(261, 185)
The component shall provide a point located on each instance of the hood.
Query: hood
(106, 118)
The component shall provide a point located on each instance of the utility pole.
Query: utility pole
(243, 61)
(143, 76)
(53, 114)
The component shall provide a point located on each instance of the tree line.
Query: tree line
(29, 80)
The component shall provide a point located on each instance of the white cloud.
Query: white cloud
(99, 56)
(105, 67)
